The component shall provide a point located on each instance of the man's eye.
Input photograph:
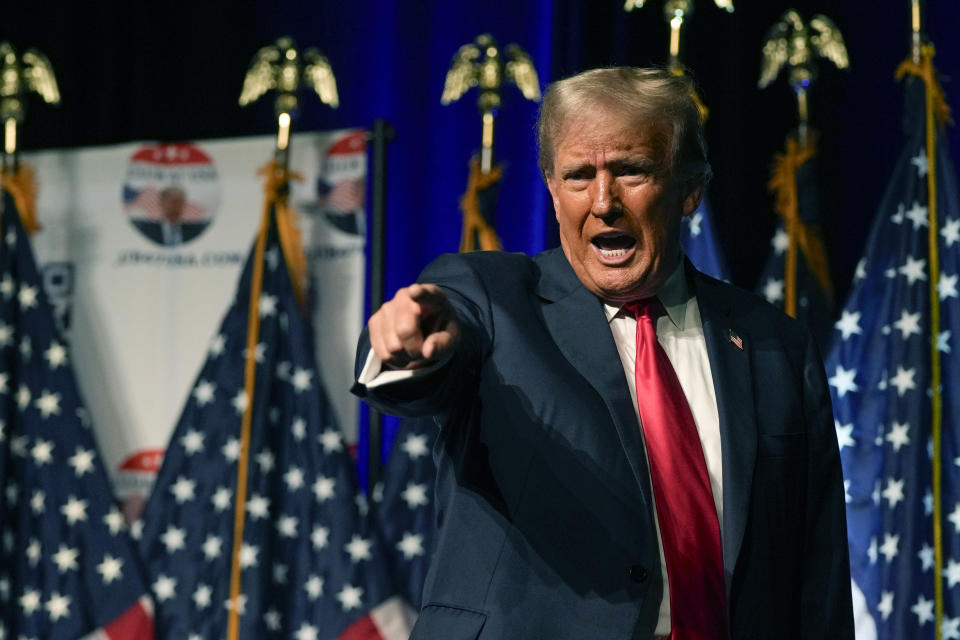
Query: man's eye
(581, 174)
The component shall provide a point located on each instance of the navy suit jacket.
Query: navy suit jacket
(543, 499)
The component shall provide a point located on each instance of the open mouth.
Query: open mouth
(613, 245)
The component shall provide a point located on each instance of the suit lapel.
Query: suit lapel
(733, 382)
(579, 327)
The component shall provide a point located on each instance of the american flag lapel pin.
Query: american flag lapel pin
(735, 339)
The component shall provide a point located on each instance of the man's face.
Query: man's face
(618, 205)
(172, 202)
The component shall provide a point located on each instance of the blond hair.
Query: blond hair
(648, 98)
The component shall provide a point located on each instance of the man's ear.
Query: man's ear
(692, 200)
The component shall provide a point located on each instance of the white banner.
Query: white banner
(141, 248)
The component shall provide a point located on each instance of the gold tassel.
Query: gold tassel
(22, 186)
(275, 191)
(783, 183)
(476, 229)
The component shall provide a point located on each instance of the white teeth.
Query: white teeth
(613, 253)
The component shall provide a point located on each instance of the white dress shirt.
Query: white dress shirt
(680, 333)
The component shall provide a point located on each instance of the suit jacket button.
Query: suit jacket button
(638, 573)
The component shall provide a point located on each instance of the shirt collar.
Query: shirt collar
(674, 296)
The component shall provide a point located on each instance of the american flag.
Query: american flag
(312, 567)
(67, 565)
(404, 506)
(879, 371)
(700, 243)
(147, 201)
(814, 303)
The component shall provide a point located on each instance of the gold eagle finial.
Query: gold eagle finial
(20, 75)
(794, 43)
(797, 44)
(479, 64)
(278, 67)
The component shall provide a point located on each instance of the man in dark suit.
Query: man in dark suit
(629, 448)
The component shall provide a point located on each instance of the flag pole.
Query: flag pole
(935, 374)
(791, 43)
(287, 77)
(480, 64)
(936, 110)
(381, 136)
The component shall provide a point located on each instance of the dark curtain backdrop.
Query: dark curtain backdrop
(173, 71)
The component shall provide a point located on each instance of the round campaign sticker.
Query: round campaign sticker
(171, 192)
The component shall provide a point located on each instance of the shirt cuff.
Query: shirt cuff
(373, 375)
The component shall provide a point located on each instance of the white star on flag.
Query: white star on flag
(110, 568)
(287, 526)
(947, 286)
(231, 450)
(358, 548)
(211, 547)
(174, 538)
(74, 510)
(411, 545)
(415, 495)
(58, 606)
(192, 442)
(844, 435)
(48, 403)
(293, 478)
(42, 452)
(914, 269)
(320, 537)
(350, 597)
(81, 461)
(844, 381)
(204, 392)
(56, 355)
(331, 440)
(267, 305)
(258, 507)
(889, 548)
(183, 489)
(301, 379)
(202, 595)
(951, 231)
(920, 162)
(164, 588)
(314, 587)
(27, 297)
(415, 445)
(917, 215)
(323, 488)
(773, 290)
(240, 401)
(248, 556)
(903, 381)
(849, 324)
(66, 559)
(894, 492)
(908, 324)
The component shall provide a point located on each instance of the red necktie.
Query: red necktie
(689, 527)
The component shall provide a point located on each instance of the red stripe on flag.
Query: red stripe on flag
(362, 629)
(136, 623)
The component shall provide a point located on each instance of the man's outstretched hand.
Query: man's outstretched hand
(416, 328)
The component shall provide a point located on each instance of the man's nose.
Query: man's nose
(604, 198)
